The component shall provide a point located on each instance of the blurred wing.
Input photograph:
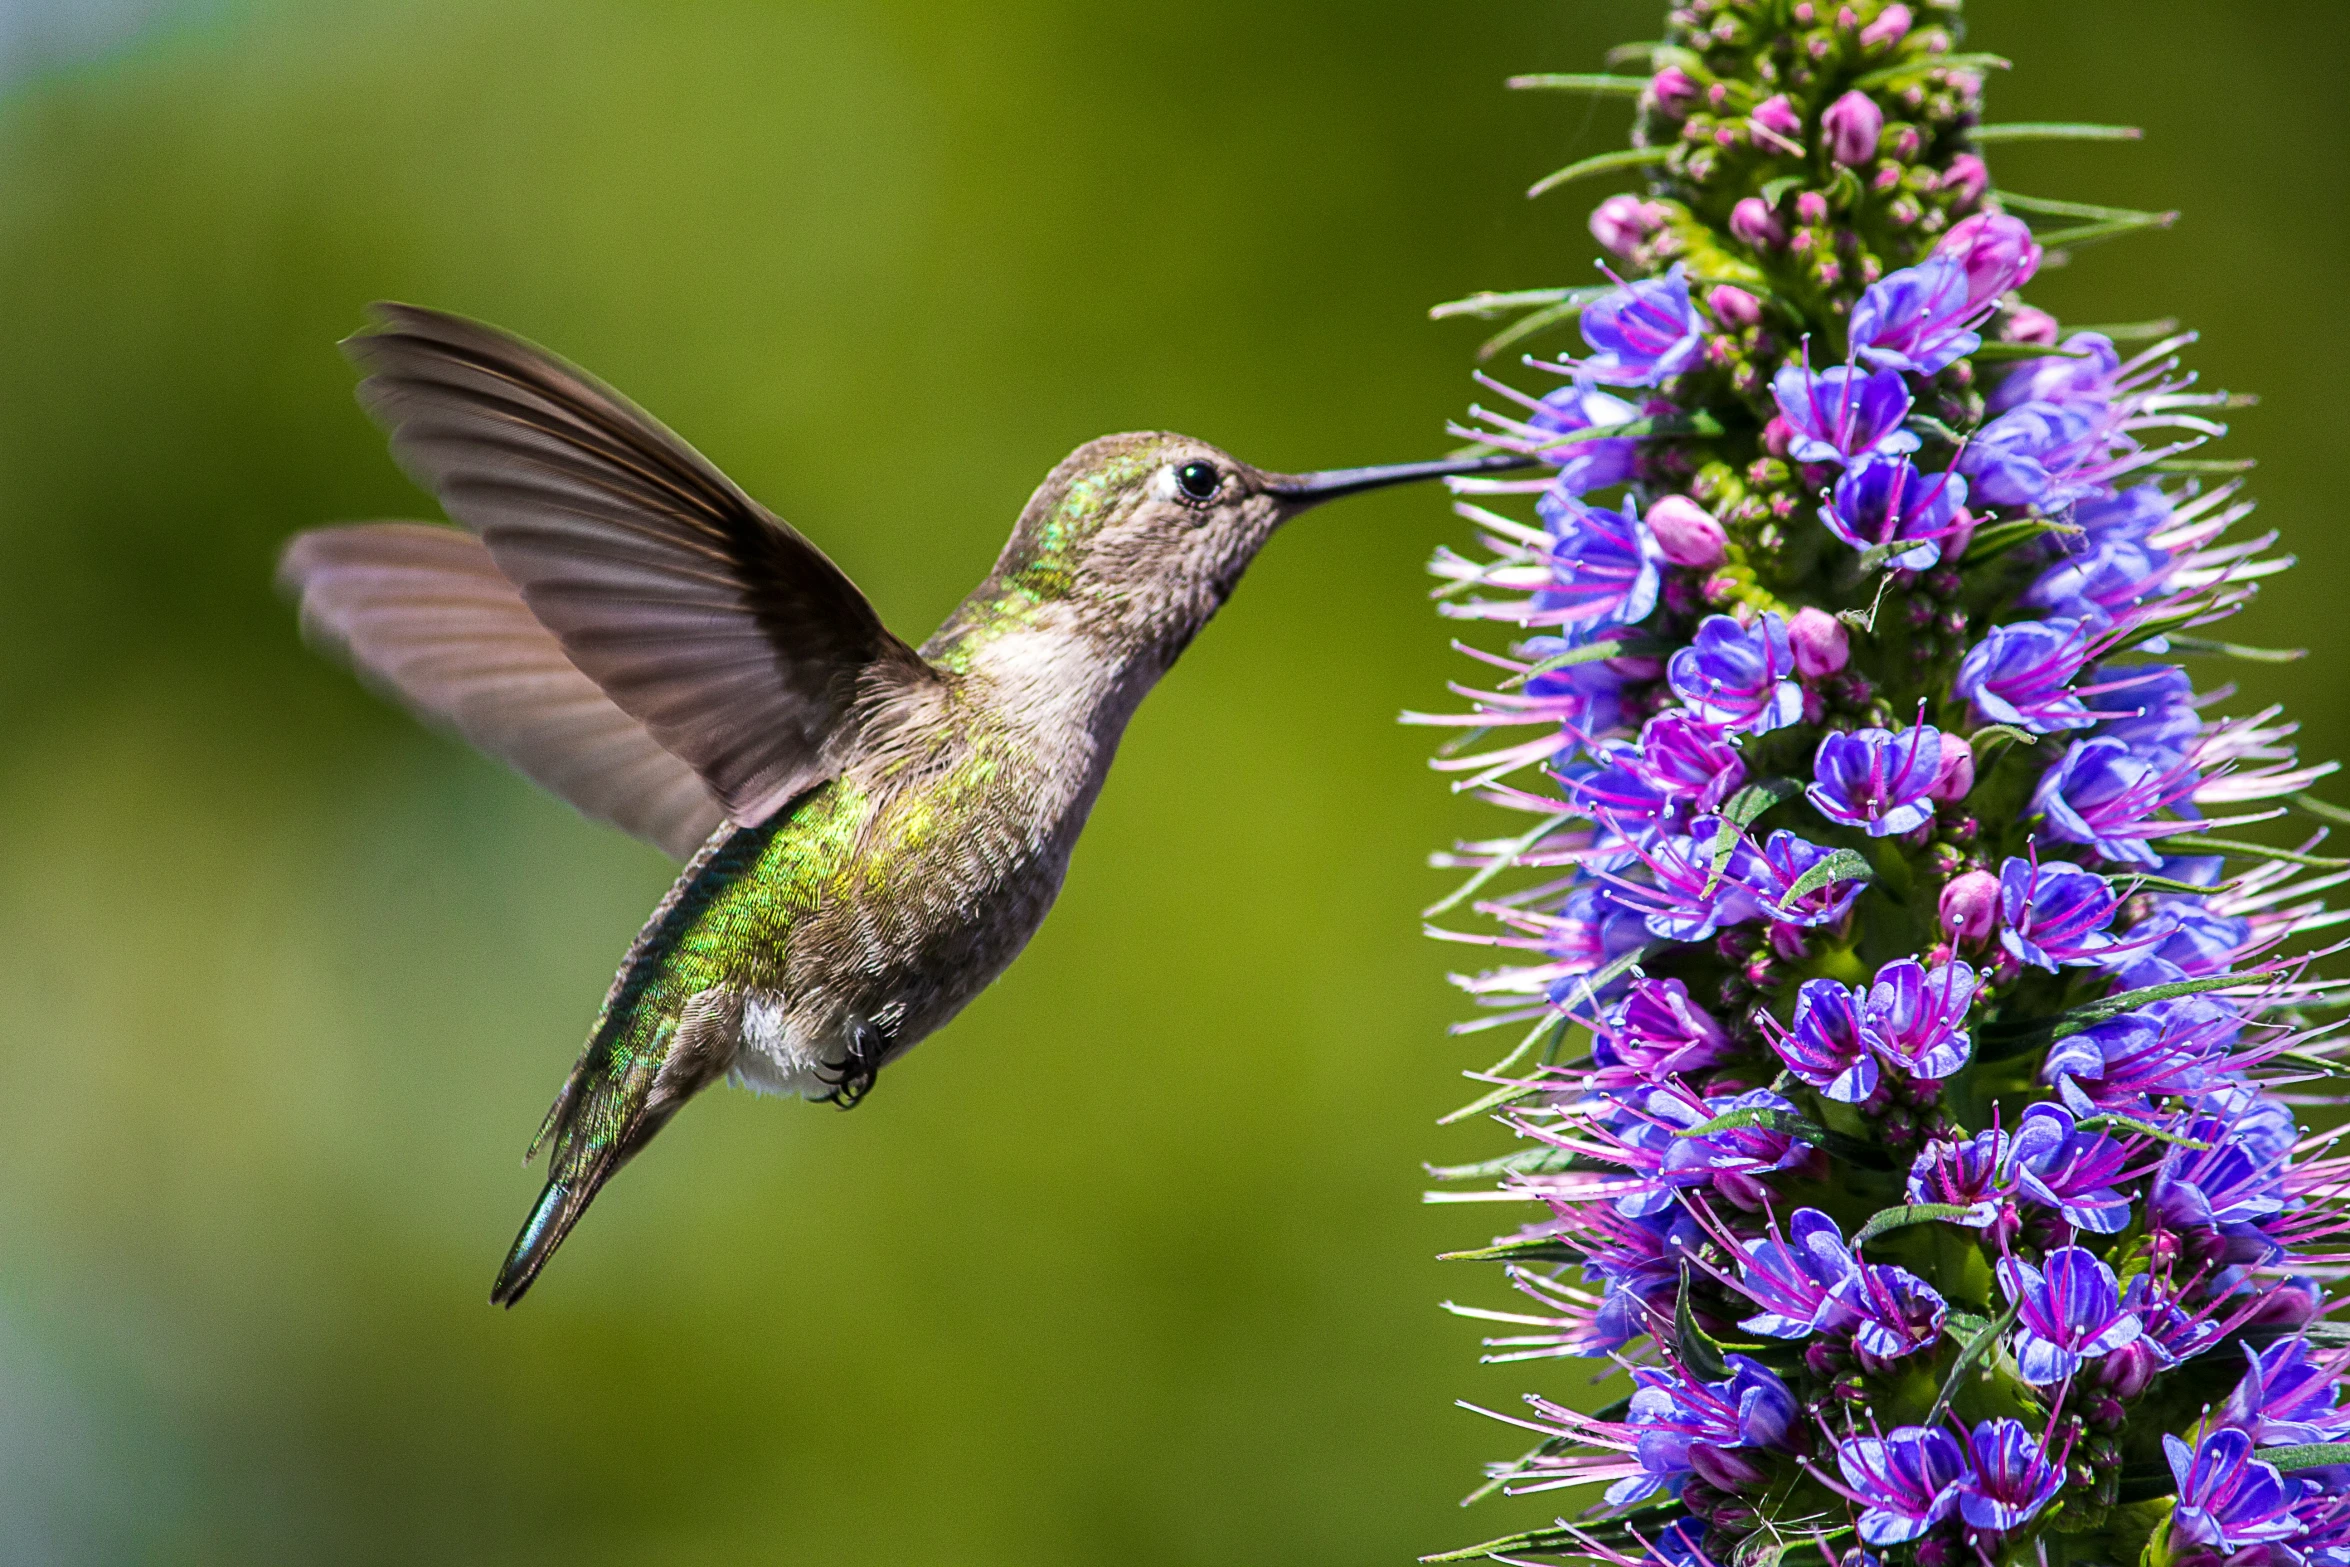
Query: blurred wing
(422, 610)
(736, 643)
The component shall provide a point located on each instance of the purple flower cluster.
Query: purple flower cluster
(1904, 1057)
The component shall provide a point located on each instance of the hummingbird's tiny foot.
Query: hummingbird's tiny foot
(852, 1076)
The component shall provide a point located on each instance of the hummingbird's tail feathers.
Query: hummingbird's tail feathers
(422, 612)
(733, 639)
(634, 1076)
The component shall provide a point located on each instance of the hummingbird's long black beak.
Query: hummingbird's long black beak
(1331, 483)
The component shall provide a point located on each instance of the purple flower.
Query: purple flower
(1898, 1313)
(1842, 413)
(2151, 706)
(1586, 699)
(1643, 333)
(1876, 779)
(2284, 1400)
(1917, 319)
(1791, 1279)
(1917, 1019)
(2133, 516)
(1688, 761)
(1784, 861)
(2068, 1310)
(2022, 674)
(2228, 1500)
(2055, 913)
(1659, 1030)
(2069, 1170)
(2082, 375)
(1826, 1045)
(2106, 795)
(1591, 463)
(1749, 1408)
(1679, 887)
(2029, 455)
(2172, 1334)
(1997, 251)
(2098, 586)
(1605, 566)
(1739, 677)
(1907, 1479)
(2132, 1062)
(1883, 498)
(2220, 1191)
(2011, 1478)
(1590, 932)
(1971, 1175)
(2192, 939)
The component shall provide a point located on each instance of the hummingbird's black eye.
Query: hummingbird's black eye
(1199, 481)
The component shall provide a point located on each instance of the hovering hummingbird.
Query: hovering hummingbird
(871, 831)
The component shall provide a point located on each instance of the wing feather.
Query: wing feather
(424, 612)
(736, 643)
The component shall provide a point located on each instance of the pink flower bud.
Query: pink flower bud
(2129, 1370)
(1687, 533)
(1966, 178)
(1997, 251)
(1777, 435)
(1751, 221)
(1853, 123)
(1821, 644)
(1891, 23)
(1907, 144)
(2028, 325)
(1811, 207)
(1954, 775)
(1673, 90)
(1620, 223)
(1776, 114)
(1733, 306)
(1969, 907)
(1727, 1469)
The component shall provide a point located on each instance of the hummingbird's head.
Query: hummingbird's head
(1145, 536)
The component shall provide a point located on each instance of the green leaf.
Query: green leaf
(2166, 884)
(1787, 1121)
(2042, 206)
(1556, 1538)
(1569, 81)
(1486, 306)
(1776, 191)
(1996, 540)
(1886, 1220)
(2311, 805)
(1601, 163)
(2205, 465)
(1531, 1248)
(2005, 732)
(1526, 1161)
(1843, 865)
(1501, 862)
(1997, 353)
(2090, 233)
(1976, 1348)
(1530, 326)
(2133, 1124)
(1740, 812)
(1921, 64)
(2251, 655)
(2053, 130)
(2135, 331)
(2308, 1455)
(2250, 851)
(2062, 1025)
(1589, 653)
(1698, 1352)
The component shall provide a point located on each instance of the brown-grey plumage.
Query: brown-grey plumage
(882, 829)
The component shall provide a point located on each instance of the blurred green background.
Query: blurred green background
(1128, 1265)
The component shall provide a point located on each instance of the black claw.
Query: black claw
(852, 1076)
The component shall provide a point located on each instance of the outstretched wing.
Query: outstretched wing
(729, 636)
(422, 611)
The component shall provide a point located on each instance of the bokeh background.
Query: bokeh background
(1128, 1265)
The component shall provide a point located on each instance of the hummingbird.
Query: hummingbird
(871, 831)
